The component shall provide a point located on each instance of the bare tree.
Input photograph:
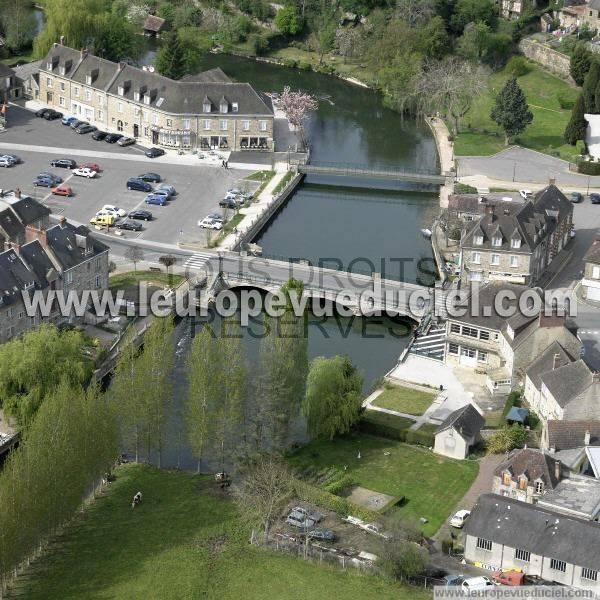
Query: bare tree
(264, 491)
(450, 87)
(134, 254)
(349, 41)
(168, 260)
(415, 12)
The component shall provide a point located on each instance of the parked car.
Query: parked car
(297, 520)
(129, 225)
(63, 163)
(76, 123)
(526, 194)
(476, 583)
(85, 129)
(576, 197)
(52, 115)
(216, 217)
(154, 152)
(104, 219)
(141, 215)
(67, 120)
(150, 177)
(162, 192)
(453, 580)
(62, 190)
(84, 172)
(114, 210)
(154, 199)
(508, 578)
(99, 135)
(309, 514)
(228, 203)
(111, 138)
(6, 162)
(41, 112)
(169, 188)
(48, 182)
(323, 535)
(47, 175)
(208, 223)
(459, 518)
(125, 141)
(595, 198)
(92, 166)
(137, 184)
(233, 192)
(16, 159)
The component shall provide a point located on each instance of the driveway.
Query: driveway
(521, 164)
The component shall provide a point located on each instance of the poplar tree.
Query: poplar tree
(589, 87)
(170, 59)
(577, 125)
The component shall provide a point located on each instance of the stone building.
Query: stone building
(202, 111)
(513, 9)
(517, 245)
(9, 88)
(590, 283)
(459, 432)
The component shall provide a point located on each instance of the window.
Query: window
(76, 92)
(468, 352)
(246, 125)
(61, 101)
(20, 314)
(120, 107)
(476, 257)
(223, 125)
(121, 90)
(452, 348)
(454, 328)
(478, 240)
(169, 122)
(100, 100)
(206, 124)
(100, 115)
(558, 565)
(88, 95)
(484, 335)
(589, 574)
(482, 356)
(495, 259)
(470, 331)
(522, 555)
(539, 487)
(155, 119)
(515, 243)
(484, 544)
(186, 123)
(62, 86)
(506, 479)
(97, 281)
(522, 482)
(262, 125)
(596, 272)
(224, 107)
(496, 241)
(234, 106)
(475, 276)
(514, 261)
(206, 107)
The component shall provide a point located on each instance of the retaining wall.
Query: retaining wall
(546, 57)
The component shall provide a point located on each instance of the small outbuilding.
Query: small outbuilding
(459, 432)
(517, 414)
(155, 26)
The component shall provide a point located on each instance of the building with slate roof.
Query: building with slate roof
(206, 111)
(590, 283)
(502, 533)
(458, 432)
(517, 244)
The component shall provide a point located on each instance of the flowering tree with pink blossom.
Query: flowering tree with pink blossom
(297, 107)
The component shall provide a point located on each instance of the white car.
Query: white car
(84, 172)
(525, 194)
(477, 583)
(6, 162)
(111, 209)
(208, 223)
(459, 518)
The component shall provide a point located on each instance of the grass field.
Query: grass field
(182, 542)
(405, 400)
(431, 485)
(132, 278)
(480, 136)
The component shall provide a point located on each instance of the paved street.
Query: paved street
(520, 164)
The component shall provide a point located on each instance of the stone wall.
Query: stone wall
(550, 59)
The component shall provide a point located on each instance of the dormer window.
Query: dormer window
(506, 478)
(522, 482)
(478, 240)
(224, 105)
(234, 107)
(62, 70)
(49, 66)
(515, 243)
(539, 487)
(147, 99)
(136, 96)
(121, 90)
(88, 79)
(497, 240)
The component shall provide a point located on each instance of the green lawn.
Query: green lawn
(405, 400)
(432, 485)
(479, 135)
(181, 542)
(132, 278)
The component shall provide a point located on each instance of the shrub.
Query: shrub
(581, 147)
(304, 65)
(290, 63)
(420, 438)
(565, 100)
(507, 439)
(383, 425)
(517, 66)
(588, 168)
(463, 188)
(259, 44)
(447, 546)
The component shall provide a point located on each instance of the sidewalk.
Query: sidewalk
(446, 153)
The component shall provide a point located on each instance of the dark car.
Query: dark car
(576, 197)
(99, 135)
(40, 113)
(154, 152)
(76, 123)
(85, 129)
(129, 225)
(595, 198)
(323, 535)
(63, 163)
(150, 177)
(153, 199)
(52, 115)
(141, 215)
(112, 138)
(137, 184)
(228, 203)
(47, 175)
(45, 182)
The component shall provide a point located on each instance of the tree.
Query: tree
(168, 260)
(577, 126)
(471, 11)
(263, 492)
(348, 41)
(297, 107)
(403, 560)
(135, 255)
(400, 82)
(17, 21)
(333, 400)
(170, 59)
(433, 39)
(415, 12)
(507, 439)
(321, 41)
(581, 61)
(589, 87)
(474, 41)
(450, 87)
(510, 110)
(288, 21)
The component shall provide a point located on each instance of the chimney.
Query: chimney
(32, 233)
(586, 438)
(18, 193)
(83, 53)
(122, 65)
(557, 469)
(62, 40)
(552, 181)
(62, 222)
(555, 361)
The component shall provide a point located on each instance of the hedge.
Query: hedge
(394, 428)
(588, 168)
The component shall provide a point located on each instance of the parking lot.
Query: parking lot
(199, 187)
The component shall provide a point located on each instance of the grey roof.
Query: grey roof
(6, 71)
(476, 203)
(534, 464)
(594, 4)
(183, 97)
(73, 245)
(593, 253)
(28, 209)
(546, 362)
(466, 420)
(578, 494)
(10, 224)
(536, 530)
(567, 435)
(154, 23)
(34, 255)
(212, 75)
(28, 70)
(14, 278)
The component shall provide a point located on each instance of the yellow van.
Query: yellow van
(106, 220)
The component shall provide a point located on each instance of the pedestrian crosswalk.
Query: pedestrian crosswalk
(432, 344)
(197, 260)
